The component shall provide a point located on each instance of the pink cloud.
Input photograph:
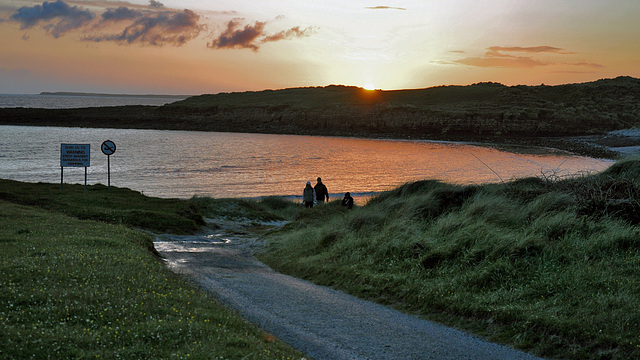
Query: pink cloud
(498, 50)
(289, 34)
(503, 56)
(511, 62)
(251, 36)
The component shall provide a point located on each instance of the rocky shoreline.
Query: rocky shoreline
(612, 145)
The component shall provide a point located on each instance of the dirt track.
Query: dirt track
(319, 321)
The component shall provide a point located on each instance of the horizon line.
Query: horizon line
(106, 94)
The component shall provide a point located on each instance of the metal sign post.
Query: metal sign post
(108, 148)
(74, 155)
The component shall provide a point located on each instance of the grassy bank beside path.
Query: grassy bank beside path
(111, 205)
(73, 288)
(546, 265)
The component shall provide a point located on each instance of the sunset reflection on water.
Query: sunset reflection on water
(183, 164)
(358, 165)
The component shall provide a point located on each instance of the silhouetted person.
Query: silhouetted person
(347, 201)
(321, 191)
(308, 195)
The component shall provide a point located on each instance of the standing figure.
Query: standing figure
(308, 195)
(347, 201)
(321, 191)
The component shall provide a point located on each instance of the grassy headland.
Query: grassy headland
(481, 112)
(78, 281)
(546, 265)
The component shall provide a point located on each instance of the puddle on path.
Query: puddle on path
(223, 250)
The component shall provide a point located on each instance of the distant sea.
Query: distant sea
(81, 100)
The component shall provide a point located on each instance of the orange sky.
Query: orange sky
(197, 46)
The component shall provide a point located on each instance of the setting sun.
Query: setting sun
(201, 47)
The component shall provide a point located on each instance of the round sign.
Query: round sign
(108, 147)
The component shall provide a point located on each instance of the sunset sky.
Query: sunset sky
(208, 46)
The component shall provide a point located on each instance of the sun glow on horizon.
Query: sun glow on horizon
(198, 47)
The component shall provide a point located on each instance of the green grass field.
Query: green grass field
(76, 288)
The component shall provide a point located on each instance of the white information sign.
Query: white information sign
(75, 155)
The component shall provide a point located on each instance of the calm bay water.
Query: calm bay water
(183, 164)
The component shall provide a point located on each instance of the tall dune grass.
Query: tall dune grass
(547, 265)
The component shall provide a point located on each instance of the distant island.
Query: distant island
(486, 112)
(71, 93)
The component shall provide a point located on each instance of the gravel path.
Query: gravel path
(319, 321)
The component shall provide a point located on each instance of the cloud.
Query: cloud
(289, 34)
(58, 16)
(151, 28)
(251, 36)
(591, 65)
(498, 50)
(236, 37)
(119, 14)
(106, 4)
(512, 62)
(571, 72)
(154, 25)
(156, 4)
(503, 56)
(384, 8)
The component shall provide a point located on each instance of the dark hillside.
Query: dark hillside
(484, 109)
(335, 95)
(300, 97)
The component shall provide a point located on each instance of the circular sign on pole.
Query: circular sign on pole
(108, 147)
